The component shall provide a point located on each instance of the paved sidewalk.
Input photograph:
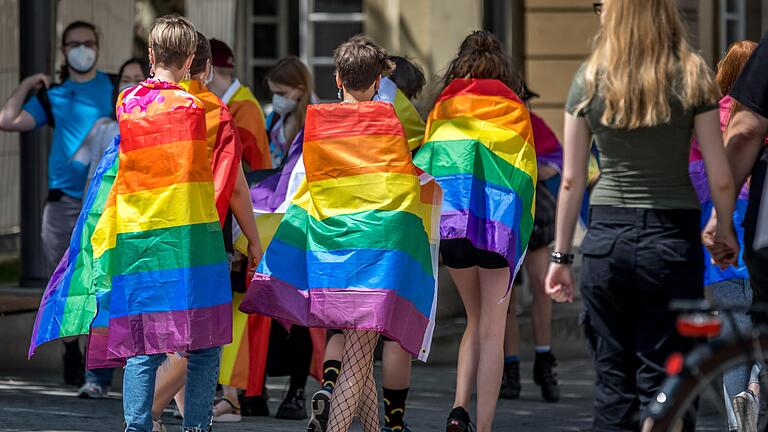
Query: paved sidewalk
(42, 404)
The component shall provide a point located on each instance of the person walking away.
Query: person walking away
(70, 108)
(245, 109)
(360, 184)
(485, 161)
(747, 157)
(640, 94)
(130, 74)
(401, 88)
(549, 157)
(730, 287)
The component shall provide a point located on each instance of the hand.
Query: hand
(254, 254)
(559, 282)
(37, 80)
(726, 247)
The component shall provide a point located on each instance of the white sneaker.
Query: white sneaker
(745, 408)
(92, 391)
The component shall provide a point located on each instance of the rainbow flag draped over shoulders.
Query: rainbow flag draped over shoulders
(409, 117)
(69, 303)
(249, 120)
(151, 243)
(479, 147)
(357, 248)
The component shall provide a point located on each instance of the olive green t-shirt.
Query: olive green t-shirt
(640, 168)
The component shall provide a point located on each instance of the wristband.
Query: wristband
(561, 258)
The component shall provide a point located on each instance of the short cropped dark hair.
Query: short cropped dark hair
(359, 61)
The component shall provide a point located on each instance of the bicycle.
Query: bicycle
(696, 377)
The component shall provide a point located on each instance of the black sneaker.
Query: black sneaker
(321, 409)
(74, 369)
(510, 381)
(545, 376)
(458, 421)
(293, 406)
(254, 406)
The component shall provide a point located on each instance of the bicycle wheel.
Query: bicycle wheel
(699, 380)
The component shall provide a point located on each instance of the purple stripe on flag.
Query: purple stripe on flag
(46, 307)
(484, 234)
(698, 174)
(174, 331)
(378, 310)
(271, 192)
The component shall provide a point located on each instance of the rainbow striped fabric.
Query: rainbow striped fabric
(69, 303)
(409, 117)
(249, 120)
(479, 147)
(357, 248)
(698, 174)
(157, 248)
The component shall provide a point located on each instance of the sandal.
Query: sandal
(157, 426)
(225, 411)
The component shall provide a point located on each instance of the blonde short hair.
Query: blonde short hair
(173, 39)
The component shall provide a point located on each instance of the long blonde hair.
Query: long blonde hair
(641, 57)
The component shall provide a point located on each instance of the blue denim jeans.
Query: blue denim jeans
(139, 390)
(102, 377)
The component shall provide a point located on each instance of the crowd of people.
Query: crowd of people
(184, 228)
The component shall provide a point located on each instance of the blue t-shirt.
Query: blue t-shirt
(75, 107)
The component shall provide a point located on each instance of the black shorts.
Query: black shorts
(461, 253)
(544, 220)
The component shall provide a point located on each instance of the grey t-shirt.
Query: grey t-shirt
(640, 168)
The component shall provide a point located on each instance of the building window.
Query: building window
(266, 39)
(733, 22)
(323, 25)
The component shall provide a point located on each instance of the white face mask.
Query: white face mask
(283, 105)
(81, 59)
(126, 86)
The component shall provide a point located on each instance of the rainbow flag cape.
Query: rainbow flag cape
(549, 152)
(479, 146)
(698, 174)
(69, 303)
(409, 117)
(223, 144)
(334, 261)
(249, 120)
(157, 254)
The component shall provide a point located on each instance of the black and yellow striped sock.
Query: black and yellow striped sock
(394, 408)
(331, 371)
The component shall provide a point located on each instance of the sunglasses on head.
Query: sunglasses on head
(598, 8)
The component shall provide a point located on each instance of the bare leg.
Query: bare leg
(512, 331)
(468, 284)
(536, 264)
(171, 377)
(396, 367)
(490, 364)
(335, 347)
(356, 370)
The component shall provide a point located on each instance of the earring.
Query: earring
(340, 95)
(187, 77)
(152, 70)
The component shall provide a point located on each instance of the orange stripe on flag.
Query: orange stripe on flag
(342, 157)
(164, 165)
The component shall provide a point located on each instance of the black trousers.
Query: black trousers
(635, 262)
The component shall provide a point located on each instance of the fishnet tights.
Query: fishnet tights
(355, 391)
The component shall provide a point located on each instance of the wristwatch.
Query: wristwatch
(561, 258)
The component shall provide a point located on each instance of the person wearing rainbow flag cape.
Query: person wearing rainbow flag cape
(357, 247)
(400, 89)
(479, 147)
(232, 199)
(146, 273)
(248, 115)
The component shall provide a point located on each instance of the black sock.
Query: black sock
(331, 371)
(394, 408)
